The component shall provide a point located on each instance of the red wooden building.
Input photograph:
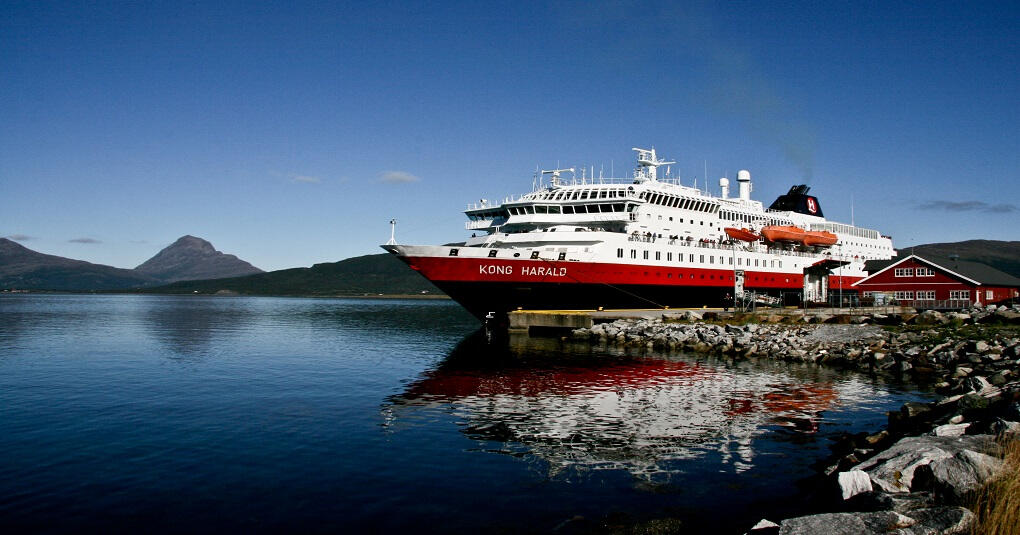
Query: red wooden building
(932, 282)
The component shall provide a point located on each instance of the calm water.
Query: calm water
(258, 414)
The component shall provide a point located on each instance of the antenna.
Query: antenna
(393, 232)
(555, 180)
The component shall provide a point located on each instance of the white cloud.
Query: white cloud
(306, 179)
(968, 206)
(20, 237)
(84, 240)
(397, 177)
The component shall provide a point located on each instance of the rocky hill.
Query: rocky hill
(25, 269)
(188, 258)
(1001, 255)
(191, 258)
(362, 275)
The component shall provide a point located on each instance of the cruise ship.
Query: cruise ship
(644, 242)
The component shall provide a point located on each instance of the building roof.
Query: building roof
(981, 274)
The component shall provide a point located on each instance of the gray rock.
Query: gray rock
(950, 430)
(957, 477)
(845, 523)
(893, 469)
(940, 521)
(764, 524)
(912, 409)
(853, 483)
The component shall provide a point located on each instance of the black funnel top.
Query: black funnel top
(797, 200)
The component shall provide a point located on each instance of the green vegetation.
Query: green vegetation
(363, 275)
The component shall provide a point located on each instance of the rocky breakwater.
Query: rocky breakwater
(921, 473)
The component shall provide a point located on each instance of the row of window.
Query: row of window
(571, 209)
(723, 260)
(922, 295)
(489, 214)
(683, 203)
(847, 229)
(914, 272)
(925, 295)
(749, 218)
(681, 220)
(562, 194)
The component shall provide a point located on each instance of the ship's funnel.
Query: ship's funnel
(724, 183)
(744, 183)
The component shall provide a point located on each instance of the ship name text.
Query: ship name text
(527, 271)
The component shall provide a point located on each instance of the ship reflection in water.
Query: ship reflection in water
(649, 415)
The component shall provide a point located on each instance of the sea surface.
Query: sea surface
(231, 414)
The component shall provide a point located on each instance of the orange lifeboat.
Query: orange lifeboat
(784, 233)
(742, 234)
(791, 234)
(820, 238)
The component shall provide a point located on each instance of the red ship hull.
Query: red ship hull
(485, 285)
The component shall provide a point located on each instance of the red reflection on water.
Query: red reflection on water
(789, 404)
(555, 381)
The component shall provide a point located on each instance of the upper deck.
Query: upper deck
(645, 204)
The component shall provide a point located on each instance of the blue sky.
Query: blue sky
(290, 133)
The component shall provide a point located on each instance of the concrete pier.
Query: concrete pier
(525, 320)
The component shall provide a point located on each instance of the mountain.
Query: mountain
(25, 269)
(191, 258)
(371, 274)
(1001, 255)
(188, 258)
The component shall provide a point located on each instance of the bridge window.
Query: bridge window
(492, 253)
(619, 253)
(534, 255)
(453, 252)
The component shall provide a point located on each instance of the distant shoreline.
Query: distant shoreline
(230, 294)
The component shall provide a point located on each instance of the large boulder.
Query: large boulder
(893, 469)
(956, 478)
(845, 523)
(853, 483)
(929, 521)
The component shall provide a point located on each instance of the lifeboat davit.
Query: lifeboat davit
(791, 234)
(742, 234)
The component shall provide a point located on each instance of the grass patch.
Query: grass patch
(997, 505)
